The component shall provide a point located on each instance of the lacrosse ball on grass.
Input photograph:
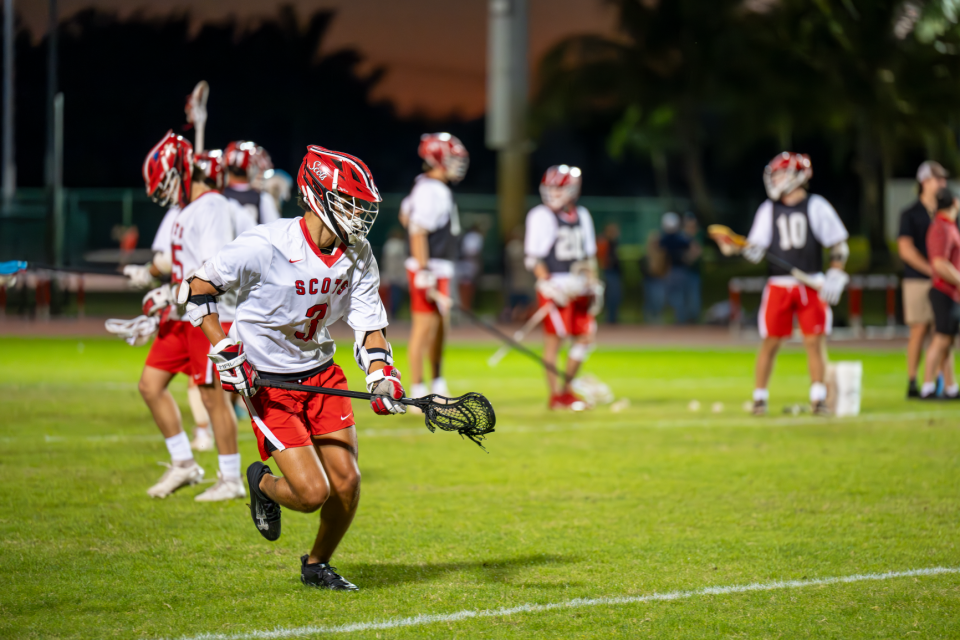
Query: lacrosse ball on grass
(694, 405)
(620, 405)
(717, 407)
(747, 406)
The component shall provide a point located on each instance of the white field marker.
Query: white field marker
(421, 620)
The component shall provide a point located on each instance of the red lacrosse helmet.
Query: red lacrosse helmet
(786, 172)
(560, 186)
(339, 188)
(249, 159)
(211, 164)
(167, 170)
(445, 150)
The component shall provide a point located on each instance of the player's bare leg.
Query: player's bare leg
(551, 348)
(338, 455)
(764, 369)
(423, 331)
(224, 422)
(183, 470)
(816, 347)
(435, 355)
(918, 333)
(304, 486)
(939, 353)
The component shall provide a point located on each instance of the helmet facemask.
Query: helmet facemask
(168, 191)
(559, 197)
(350, 218)
(456, 168)
(793, 172)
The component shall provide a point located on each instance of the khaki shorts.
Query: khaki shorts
(916, 301)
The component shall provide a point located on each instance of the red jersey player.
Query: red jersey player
(796, 226)
(202, 227)
(295, 278)
(430, 215)
(561, 248)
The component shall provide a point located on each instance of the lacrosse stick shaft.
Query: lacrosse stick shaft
(344, 393)
(500, 334)
(718, 232)
(34, 266)
(520, 335)
(802, 276)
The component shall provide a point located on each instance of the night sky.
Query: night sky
(435, 50)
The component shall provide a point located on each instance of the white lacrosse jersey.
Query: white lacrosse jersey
(161, 241)
(559, 240)
(289, 292)
(200, 230)
(430, 207)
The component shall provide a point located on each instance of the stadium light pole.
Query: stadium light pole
(9, 161)
(507, 71)
(52, 46)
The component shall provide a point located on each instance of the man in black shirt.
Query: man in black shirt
(912, 247)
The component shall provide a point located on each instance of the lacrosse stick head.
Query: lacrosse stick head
(730, 243)
(196, 108)
(470, 415)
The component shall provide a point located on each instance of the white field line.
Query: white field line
(578, 603)
(637, 422)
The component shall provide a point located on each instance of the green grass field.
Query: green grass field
(650, 500)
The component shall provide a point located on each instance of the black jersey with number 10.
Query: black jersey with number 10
(792, 240)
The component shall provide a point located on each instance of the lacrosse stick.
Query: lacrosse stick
(521, 333)
(732, 244)
(196, 111)
(13, 266)
(135, 332)
(446, 300)
(470, 415)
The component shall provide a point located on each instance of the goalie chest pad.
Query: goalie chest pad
(569, 245)
(793, 239)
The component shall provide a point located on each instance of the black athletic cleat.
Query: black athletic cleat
(759, 407)
(912, 390)
(264, 511)
(323, 576)
(820, 408)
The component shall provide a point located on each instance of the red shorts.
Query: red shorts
(780, 303)
(181, 347)
(289, 418)
(419, 302)
(571, 320)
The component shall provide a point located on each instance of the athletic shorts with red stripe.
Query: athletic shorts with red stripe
(419, 302)
(780, 303)
(181, 347)
(289, 418)
(571, 320)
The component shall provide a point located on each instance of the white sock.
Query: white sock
(952, 390)
(818, 392)
(439, 385)
(230, 465)
(761, 394)
(179, 448)
(418, 390)
(928, 389)
(202, 432)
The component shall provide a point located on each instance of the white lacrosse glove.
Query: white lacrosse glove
(833, 286)
(754, 253)
(236, 374)
(425, 279)
(157, 300)
(139, 274)
(136, 332)
(386, 387)
(549, 289)
(597, 290)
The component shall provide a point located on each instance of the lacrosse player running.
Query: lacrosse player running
(560, 249)
(430, 216)
(795, 226)
(202, 226)
(246, 163)
(295, 278)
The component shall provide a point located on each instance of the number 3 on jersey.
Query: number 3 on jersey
(793, 231)
(316, 314)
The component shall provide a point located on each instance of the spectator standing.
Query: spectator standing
(912, 247)
(691, 229)
(943, 250)
(470, 265)
(654, 267)
(610, 264)
(393, 273)
(677, 247)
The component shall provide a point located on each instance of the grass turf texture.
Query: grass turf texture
(652, 499)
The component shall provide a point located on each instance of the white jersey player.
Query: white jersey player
(560, 248)
(199, 230)
(295, 278)
(430, 215)
(796, 226)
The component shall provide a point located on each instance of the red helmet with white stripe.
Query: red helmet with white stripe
(167, 170)
(786, 172)
(211, 165)
(560, 186)
(339, 188)
(248, 159)
(445, 150)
